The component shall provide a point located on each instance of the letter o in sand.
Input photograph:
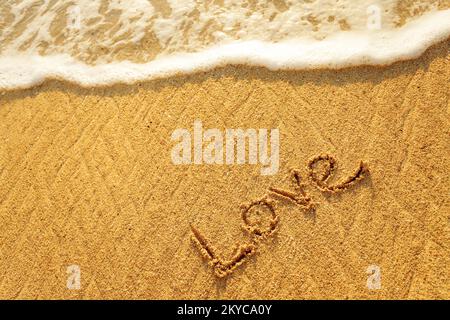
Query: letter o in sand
(260, 217)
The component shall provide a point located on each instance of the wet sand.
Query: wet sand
(87, 179)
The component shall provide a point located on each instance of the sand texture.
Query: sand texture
(86, 178)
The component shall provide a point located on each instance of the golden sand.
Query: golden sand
(87, 179)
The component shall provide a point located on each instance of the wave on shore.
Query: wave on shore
(334, 50)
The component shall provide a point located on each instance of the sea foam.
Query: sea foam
(337, 50)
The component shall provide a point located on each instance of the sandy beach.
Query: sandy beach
(87, 180)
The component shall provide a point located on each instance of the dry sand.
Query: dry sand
(87, 179)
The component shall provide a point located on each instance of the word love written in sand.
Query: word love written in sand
(251, 213)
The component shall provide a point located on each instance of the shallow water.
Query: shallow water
(99, 42)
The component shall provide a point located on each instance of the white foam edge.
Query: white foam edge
(345, 49)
